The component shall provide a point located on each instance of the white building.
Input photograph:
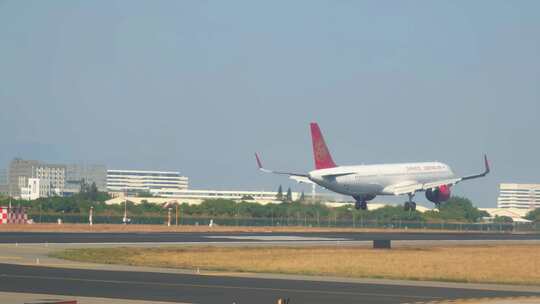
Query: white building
(145, 181)
(522, 196)
(195, 197)
(517, 214)
(262, 196)
(33, 190)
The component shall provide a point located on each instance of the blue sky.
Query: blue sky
(198, 86)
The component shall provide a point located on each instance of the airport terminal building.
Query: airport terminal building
(137, 181)
(521, 196)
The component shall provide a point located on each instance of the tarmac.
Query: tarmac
(27, 273)
(185, 237)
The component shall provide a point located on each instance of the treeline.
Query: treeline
(457, 209)
(81, 202)
(534, 215)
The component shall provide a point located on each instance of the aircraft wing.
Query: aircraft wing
(295, 176)
(401, 189)
(301, 179)
(411, 187)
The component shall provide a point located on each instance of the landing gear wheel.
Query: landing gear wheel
(360, 205)
(363, 205)
(410, 205)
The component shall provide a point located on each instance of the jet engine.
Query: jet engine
(439, 194)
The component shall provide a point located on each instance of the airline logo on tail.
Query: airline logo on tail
(323, 159)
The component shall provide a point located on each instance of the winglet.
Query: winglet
(259, 164)
(486, 163)
(258, 161)
(261, 168)
(486, 170)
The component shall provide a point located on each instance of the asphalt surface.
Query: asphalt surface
(181, 287)
(52, 237)
(216, 289)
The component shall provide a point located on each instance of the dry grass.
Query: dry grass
(513, 264)
(186, 228)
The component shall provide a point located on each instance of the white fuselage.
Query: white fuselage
(371, 180)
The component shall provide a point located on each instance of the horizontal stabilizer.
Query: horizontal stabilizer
(301, 179)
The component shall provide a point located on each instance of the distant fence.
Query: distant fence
(290, 221)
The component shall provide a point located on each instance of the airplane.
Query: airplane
(365, 182)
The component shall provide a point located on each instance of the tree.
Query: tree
(533, 215)
(288, 198)
(279, 195)
(84, 186)
(93, 192)
(144, 194)
(458, 209)
(302, 197)
(503, 219)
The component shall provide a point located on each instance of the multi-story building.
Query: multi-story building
(133, 181)
(19, 172)
(76, 174)
(523, 196)
(51, 177)
(4, 190)
(3, 177)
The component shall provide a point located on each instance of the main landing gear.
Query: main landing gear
(361, 200)
(410, 205)
(360, 205)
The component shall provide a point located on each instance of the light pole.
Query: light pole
(91, 215)
(169, 217)
(125, 207)
(9, 208)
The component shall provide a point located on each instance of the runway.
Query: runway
(24, 249)
(195, 237)
(217, 289)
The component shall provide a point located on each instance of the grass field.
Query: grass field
(512, 264)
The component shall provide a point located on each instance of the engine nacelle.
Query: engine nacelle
(439, 194)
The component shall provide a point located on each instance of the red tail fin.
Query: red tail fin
(322, 156)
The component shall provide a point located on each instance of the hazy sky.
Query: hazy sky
(198, 86)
